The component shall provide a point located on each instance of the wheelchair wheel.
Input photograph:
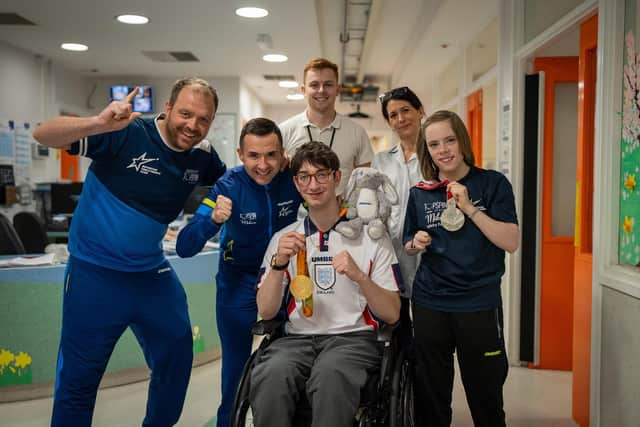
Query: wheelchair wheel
(244, 416)
(241, 413)
(401, 405)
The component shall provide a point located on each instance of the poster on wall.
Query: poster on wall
(6, 142)
(23, 140)
(629, 237)
(504, 152)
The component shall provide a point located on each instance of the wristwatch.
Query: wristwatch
(277, 267)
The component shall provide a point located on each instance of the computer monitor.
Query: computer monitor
(65, 197)
(142, 103)
(195, 198)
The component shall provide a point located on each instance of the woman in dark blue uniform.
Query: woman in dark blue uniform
(461, 221)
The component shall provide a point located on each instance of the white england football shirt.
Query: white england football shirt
(339, 306)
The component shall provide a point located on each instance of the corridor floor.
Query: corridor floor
(532, 398)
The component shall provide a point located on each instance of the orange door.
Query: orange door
(69, 167)
(558, 211)
(474, 124)
(584, 224)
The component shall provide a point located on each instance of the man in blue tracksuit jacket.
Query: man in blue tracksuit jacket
(117, 277)
(249, 203)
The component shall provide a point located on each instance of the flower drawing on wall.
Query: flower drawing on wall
(198, 340)
(629, 238)
(630, 182)
(14, 369)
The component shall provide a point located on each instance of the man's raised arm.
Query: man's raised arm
(61, 131)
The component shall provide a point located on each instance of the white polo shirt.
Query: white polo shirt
(403, 175)
(339, 306)
(350, 141)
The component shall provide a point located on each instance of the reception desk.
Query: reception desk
(30, 322)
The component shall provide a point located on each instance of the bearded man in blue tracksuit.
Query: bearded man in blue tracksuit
(117, 277)
(248, 204)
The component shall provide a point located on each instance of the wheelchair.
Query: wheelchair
(386, 399)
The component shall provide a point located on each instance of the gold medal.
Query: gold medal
(301, 286)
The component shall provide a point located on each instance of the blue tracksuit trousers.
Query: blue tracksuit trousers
(98, 306)
(236, 312)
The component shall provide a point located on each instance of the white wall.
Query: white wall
(540, 15)
(34, 89)
(250, 105)
(20, 85)
(280, 113)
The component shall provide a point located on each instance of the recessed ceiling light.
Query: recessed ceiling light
(275, 57)
(288, 83)
(132, 19)
(252, 12)
(295, 96)
(76, 47)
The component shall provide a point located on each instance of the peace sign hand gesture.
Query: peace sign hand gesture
(118, 114)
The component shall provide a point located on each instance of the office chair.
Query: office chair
(10, 243)
(31, 229)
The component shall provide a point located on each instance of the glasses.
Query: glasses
(322, 177)
(393, 92)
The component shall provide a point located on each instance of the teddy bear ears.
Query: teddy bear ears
(366, 177)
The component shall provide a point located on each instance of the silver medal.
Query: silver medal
(452, 218)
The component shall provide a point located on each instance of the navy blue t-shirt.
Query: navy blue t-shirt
(135, 186)
(461, 270)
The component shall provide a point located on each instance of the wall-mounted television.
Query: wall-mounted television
(142, 103)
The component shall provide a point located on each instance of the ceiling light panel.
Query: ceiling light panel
(252, 12)
(275, 57)
(288, 83)
(75, 47)
(132, 19)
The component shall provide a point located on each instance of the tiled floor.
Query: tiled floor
(532, 398)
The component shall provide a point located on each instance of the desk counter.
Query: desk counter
(30, 321)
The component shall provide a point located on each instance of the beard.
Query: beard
(174, 132)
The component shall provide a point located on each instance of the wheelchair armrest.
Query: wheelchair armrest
(266, 327)
(385, 332)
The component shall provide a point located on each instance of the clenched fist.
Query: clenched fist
(421, 240)
(222, 211)
(344, 264)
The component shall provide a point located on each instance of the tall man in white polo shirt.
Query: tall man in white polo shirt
(321, 122)
(327, 353)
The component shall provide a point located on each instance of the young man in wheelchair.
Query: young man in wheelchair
(330, 343)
